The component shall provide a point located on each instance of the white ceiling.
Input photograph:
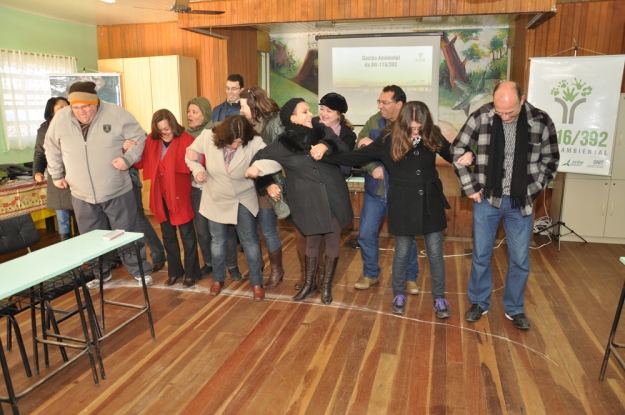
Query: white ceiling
(99, 13)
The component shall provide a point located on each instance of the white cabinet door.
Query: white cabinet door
(584, 206)
(615, 215)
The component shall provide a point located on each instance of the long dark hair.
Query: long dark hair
(165, 115)
(231, 128)
(259, 102)
(400, 131)
(48, 113)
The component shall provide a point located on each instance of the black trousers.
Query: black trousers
(172, 248)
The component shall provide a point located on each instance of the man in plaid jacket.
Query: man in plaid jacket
(517, 156)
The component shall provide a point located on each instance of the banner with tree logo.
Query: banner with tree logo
(581, 95)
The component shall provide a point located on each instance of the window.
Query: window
(24, 91)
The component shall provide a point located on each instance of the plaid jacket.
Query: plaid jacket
(543, 155)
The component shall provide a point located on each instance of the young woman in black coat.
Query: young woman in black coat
(317, 193)
(416, 203)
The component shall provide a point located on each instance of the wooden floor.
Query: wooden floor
(230, 355)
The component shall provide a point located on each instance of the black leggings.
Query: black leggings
(332, 240)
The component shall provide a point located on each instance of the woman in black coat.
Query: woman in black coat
(317, 193)
(416, 203)
(57, 199)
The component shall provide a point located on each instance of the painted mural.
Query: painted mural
(473, 61)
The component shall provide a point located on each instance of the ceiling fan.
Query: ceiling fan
(182, 6)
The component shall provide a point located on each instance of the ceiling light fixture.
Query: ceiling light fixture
(108, 1)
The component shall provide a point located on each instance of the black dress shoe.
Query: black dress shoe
(235, 274)
(205, 271)
(171, 280)
(157, 267)
(189, 282)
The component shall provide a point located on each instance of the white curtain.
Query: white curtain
(24, 90)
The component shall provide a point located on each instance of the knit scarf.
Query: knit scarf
(496, 156)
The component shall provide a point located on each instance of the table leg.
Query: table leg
(81, 312)
(145, 290)
(7, 380)
(608, 349)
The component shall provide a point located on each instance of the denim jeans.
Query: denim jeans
(204, 235)
(248, 235)
(268, 226)
(434, 248)
(63, 219)
(157, 250)
(518, 229)
(371, 217)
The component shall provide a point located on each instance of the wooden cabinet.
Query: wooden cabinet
(594, 206)
(153, 83)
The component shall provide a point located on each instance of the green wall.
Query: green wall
(32, 33)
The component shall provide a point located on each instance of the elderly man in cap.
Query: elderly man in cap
(84, 149)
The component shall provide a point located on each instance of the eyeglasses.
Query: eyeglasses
(233, 89)
(415, 129)
(386, 102)
(80, 107)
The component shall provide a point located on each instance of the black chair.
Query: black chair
(17, 233)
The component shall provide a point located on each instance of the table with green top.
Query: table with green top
(28, 271)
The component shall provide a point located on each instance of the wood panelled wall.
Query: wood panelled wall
(242, 53)
(245, 12)
(216, 58)
(596, 26)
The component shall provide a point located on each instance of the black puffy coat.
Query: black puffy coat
(316, 192)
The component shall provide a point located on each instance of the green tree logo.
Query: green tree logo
(566, 92)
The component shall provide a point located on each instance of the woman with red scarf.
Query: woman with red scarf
(170, 194)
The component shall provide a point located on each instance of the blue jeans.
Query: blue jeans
(371, 217)
(403, 251)
(268, 226)
(248, 235)
(63, 219)
(486, 220)
(204, 236)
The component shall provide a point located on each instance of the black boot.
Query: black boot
(64, 236)
(302, 277)
(310, 271)
(320, 271)
(326, 289)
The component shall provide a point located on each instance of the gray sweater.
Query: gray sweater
(88, 169)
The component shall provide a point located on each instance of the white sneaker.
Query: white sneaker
(148, 281)
(95, 284)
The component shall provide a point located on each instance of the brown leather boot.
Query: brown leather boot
(299, 284)
(277, 272)
(320, 271)
(326, 289)
(310, 285)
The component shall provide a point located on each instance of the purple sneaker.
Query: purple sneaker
(399, 304)
(441, 306)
